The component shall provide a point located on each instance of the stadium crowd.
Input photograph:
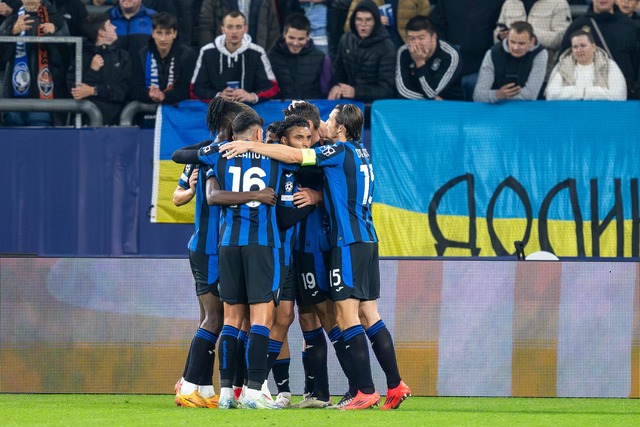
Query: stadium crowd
(165, 51)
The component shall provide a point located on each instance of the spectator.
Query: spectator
(402, 12)
(585, 72)
(549, 19)
(615, 33)
(364, 67)
(36, 69)
(427, 68)
(468, 26)
(233, 67)
(262, 21)
(105, 69)
(163, 69)
(316, 13)
(629, 8)
(513, 69)
(302, 70)
(133, 25)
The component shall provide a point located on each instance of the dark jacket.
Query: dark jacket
(55, 51)
(112, 81)
(439, 76)
(183, 59)
(133, 33)
(467, 25)
(367, 64)
(248, 65)
(300, 76)
(620, 34)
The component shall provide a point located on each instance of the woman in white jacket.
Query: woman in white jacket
(585, 72)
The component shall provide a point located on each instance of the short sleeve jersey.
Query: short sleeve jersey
(348, 191)
(207, 218)
(251, 223)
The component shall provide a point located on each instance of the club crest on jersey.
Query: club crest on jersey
(327, 150)
(21, 78)
(45, 82)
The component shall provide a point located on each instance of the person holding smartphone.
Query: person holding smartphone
(514, 68)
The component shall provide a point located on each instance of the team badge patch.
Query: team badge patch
(45, 82)
(21, 79)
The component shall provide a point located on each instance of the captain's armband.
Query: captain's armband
(308, 157)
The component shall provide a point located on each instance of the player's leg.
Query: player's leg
(346, 291)
(233, 295)
(280, 371)
(262, 269)
(377, 332)
(197, 388)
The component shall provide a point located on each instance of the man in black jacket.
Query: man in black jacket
(365, 65)
(302, 70)
(105, 70)
(615, 33)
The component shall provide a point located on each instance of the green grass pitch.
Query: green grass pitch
(159, 410)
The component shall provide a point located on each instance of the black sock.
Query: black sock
(186, 363)
(240, 374)
(385, 352)
(203, 347)
(335, 336)
(257, 349)
(274, 351)
(316, 350)
(308, 378)
(357, 349)
(227, 355)
(281, 375)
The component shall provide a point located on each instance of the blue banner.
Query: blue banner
(470, 179)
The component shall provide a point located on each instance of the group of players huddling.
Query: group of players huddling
(277, 223)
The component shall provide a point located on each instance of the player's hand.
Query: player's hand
(97, 62)
(335, 93)
(508, 91)
(235, 148)
(306, 197)
(193, 180)
(267, 196)
(323, 130)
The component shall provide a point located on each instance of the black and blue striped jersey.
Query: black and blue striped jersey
(348, 192)
(251, 223)
(207, 218)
